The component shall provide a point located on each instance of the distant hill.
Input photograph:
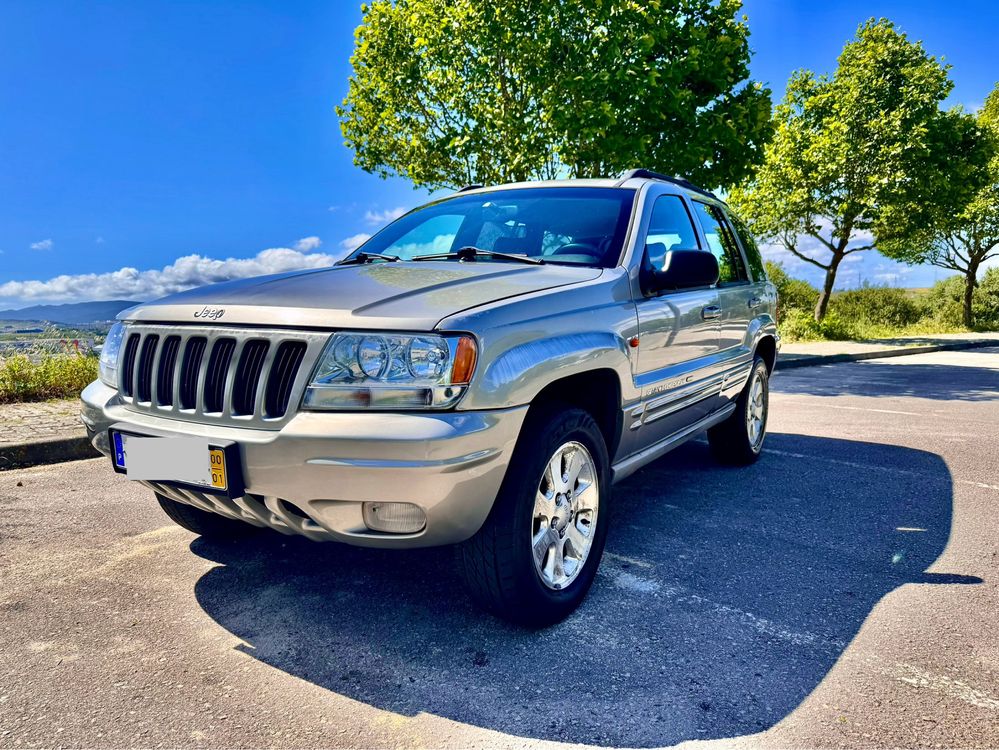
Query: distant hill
(78, 313)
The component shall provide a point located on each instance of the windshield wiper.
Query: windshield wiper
(471, 253)
(367, 258)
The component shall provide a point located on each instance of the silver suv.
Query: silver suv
(479, 373)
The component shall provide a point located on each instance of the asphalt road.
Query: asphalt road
(842, 592)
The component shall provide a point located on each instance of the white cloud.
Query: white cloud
(355, 241)
(308, 244)
(184, 273)
(380, 218)
(99, 241)
(42, 245)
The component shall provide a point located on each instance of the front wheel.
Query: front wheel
(739, 439)
(535, 557)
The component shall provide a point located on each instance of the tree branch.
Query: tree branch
(794, 251)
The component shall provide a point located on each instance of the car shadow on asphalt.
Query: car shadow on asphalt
(726, 596)
(881, 378)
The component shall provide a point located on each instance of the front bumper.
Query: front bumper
(311, 476)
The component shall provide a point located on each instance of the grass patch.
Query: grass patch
(23, 378)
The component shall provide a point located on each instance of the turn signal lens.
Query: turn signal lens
(464, 361)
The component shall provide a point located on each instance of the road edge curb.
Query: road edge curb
(55, 451)
(813, 360)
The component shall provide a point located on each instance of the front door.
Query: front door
(678, 337)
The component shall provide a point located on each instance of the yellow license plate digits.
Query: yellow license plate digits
(218, 469)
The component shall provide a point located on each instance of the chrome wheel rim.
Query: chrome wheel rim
(756, 410)
(565, 515)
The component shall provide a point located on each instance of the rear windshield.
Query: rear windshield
(571, 225)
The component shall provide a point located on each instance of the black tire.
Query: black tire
(208, 525)
(731, 441)
(497, 564)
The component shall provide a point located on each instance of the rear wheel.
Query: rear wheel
(209, 525)
(739, 439)
(534, 559)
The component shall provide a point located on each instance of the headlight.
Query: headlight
(391, 371)
(107, 370)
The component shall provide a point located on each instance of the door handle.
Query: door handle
(754, 302)
(710, 312)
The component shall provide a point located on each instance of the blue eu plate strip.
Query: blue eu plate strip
(119, 450)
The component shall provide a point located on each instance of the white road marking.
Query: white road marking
(643, 585)
(868, 467)
(629, 560)
(938, 683)
(879, 411)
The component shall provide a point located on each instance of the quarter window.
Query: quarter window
(721, 243)
(750, 246)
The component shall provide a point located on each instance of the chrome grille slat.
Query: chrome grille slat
(128, 360)
(217, 374)
(165, 369)
(194, 353)
(248, 372)
(281, 378)
(258, 401)
(144, 369)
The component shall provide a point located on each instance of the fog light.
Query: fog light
(394, 518)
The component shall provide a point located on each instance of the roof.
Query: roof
(631, 179)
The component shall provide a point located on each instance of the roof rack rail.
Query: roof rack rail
(648, 174)
(466, 188)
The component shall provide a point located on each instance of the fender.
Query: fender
(517, 375)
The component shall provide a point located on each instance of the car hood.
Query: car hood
(400, 295)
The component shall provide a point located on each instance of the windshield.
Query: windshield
(572, 225)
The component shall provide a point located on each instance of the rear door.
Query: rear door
(736, 294)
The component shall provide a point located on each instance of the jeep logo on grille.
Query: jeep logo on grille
(210, 313)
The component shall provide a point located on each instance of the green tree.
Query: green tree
(963, 240)
(861, 159)
(451, 92)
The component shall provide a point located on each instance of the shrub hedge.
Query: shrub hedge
(50, 376)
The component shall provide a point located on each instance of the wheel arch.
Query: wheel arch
(766, 347)
(596, 391)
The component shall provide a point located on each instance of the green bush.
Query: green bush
(945, 301)
(51, 376)
(799, 325)
(877, 305)
(793, 294)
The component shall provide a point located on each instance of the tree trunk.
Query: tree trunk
(823, 304)
(970, 282)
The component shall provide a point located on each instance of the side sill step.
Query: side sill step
(628, 466)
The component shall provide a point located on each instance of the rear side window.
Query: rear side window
(671, 226)
(753, 256)
(721, 243)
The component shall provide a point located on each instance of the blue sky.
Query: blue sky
(134, 134)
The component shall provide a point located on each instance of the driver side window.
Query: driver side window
(670, 227)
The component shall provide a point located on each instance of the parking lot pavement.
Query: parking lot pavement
(841, 592)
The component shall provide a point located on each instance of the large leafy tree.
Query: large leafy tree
(964, 240)
(864, 158)
(450, 92)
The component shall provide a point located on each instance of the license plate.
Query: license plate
(174, 460)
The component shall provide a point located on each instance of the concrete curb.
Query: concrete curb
(52, 451)
(813, 360)
(78, 448)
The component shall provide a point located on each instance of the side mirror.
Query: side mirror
(677, 269)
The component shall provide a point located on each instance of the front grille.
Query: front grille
(286, 364)
(217, 374)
